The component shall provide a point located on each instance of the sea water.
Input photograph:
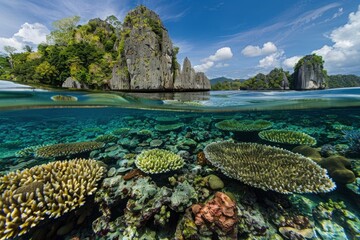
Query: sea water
(32, 118)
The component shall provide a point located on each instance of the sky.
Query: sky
(232, 38)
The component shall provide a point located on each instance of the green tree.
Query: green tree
(27, 48)
(63, 30)
(46, 72)
(10, 50)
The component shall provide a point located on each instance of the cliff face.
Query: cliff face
(147, 59)
(309, 73)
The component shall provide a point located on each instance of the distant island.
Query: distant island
(309, 74)
(136, 55)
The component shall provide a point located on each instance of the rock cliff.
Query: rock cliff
(309, 73)
(147, 58)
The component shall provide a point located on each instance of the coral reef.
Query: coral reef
(168, 127)
(269, 168)
(218, 215)
(45, 191)
(308, 151)
(107, 138)
(243, 125)
(65, 98)
(338, 168)
(287, 137)
(158, 161)
(66, 149)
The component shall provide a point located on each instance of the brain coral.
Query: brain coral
(158, 161)
(269, 168)
(287, 137)
(66, 149)
(44, 191)
(243, 126)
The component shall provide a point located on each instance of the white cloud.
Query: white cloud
(272, 60)
(344, 55)
(13, 42)
(221, 65)
(204, 67)
(289, 63)
(253, 51)
(220, 55)
(31, 34)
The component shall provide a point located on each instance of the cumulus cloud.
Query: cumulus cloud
(254, 51)
(220, 55)
(272, 60)
(204, 67)
(289, 63)
(343, 56)
(32, 34)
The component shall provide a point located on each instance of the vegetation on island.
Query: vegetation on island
(84, 52)
(273, 80)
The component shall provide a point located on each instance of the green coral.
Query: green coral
(287, 137)
(309, 152)
(66, 149)
(107, 138)
(168, 127)
(158, 161)
(269, 168)
(65, 98)
(338, 168)
(243, 126)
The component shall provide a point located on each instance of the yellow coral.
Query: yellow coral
(158, 161)
(44, 191)
(269, 168)
(66, 149)
(243, 125)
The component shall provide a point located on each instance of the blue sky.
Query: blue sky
(232, 38)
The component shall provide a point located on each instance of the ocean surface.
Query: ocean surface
(127, 124)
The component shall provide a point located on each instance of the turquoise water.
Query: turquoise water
(133, 123)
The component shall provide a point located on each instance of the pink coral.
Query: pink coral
(217, 214)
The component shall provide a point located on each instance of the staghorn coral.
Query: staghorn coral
(243, 126)
(45, 191)
(269, 168)
(219, 214)
(158, 161)
(66, 149)
(287, 137)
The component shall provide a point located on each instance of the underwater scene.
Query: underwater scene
(208, 165)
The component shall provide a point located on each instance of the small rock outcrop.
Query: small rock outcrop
(72, 83)
(285, 82)
(309, 73)
(147, 58)
(188, 79)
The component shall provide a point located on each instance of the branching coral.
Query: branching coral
(45, 191)
(158, 161)
(243, 126)
(287, 137)
(66, 149)
(269, 168)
